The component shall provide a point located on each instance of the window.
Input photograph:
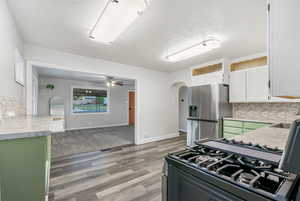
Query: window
(89, 100)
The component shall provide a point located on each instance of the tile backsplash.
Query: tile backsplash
(274, 112)
(11, 107)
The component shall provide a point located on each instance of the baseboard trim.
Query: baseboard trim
(158, 138)
(184, 131)
(104, 126)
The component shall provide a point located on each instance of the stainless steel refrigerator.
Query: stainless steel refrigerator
(208, 104)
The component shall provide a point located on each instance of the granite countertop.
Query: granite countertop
(270, 136)
(27, 126)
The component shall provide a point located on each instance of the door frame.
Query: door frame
(35, 99)
(131, 90)
(138, 139)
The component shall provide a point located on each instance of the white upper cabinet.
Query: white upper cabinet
(250, 85)
(249, 79)
(237, 87)
(257, 84)
(210, 73)
(284, 36)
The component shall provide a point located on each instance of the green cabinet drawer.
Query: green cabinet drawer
(233, 130)
(236, 127)
(254, 125)
(232, 123)
(228, 135)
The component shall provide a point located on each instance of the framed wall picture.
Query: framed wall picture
(19, 68)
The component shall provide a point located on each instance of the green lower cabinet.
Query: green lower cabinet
(24, 169)
(254, 126)
(232, 128)
(233, 123)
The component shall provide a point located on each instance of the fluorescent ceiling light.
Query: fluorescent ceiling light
(200, 48)
(115, 18)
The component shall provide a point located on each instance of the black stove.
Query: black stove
(240, 171)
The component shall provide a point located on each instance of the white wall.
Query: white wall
(154, 96)
(9, 41)
(118, 105)
(182, 77)
(175, 81)
(183, 108)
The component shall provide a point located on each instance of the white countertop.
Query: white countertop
(270, 136)
(27, 126)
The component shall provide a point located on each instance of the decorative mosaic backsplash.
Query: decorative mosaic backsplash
(11, 107)
(273, 112)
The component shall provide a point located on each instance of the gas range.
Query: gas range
(238, 167)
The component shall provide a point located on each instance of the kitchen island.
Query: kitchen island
(25, 144)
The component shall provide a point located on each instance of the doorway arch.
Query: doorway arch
(180, 89)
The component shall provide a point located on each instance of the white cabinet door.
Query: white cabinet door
(284, 46)
(257, 84)
(237, 89)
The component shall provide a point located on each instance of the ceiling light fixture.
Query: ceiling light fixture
(200, 48)
(115, 18)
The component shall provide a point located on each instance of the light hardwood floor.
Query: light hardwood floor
(131, 173)
(90, 140)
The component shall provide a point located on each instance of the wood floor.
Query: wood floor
(90, 140)
(131, 173)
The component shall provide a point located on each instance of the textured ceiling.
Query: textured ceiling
(168, 26)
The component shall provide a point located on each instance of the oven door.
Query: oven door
(184, 187)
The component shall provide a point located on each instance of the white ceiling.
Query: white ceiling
(75, 75)
(168, 26)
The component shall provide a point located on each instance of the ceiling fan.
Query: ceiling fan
(111, 81)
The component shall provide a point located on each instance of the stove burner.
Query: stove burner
(246, 178)
(202, 158)
(255, 164)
